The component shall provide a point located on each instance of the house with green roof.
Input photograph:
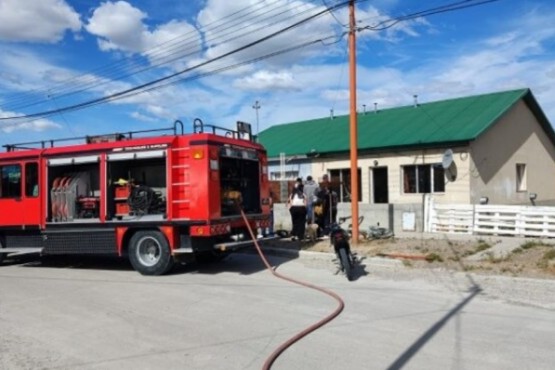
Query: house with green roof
(497, 148)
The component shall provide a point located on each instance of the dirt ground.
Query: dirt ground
(533, 259)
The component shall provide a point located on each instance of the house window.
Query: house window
(11, 181)
(521, 177)
(341, 184)
(427, 178)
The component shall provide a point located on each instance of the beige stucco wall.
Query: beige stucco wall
(516, 138)
(455, 192)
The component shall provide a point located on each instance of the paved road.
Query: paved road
(234, 314)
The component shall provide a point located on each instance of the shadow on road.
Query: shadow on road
(241, 263)
(404, 358)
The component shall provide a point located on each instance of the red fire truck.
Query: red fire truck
(154, 196)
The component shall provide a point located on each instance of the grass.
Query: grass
(532, 244)
(482, 247)
(492, 259)
(549, 255)
(544, 263)
(433, 257)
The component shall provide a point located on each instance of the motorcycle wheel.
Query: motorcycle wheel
(346, 263)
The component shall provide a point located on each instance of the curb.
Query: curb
(310, 255)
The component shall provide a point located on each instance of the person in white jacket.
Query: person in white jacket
(297, 209)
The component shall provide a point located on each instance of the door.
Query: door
(379, 181)
(19, 194)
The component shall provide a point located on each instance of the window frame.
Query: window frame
(7, 191)
(521, 178)
(424, 179)
(340, 179)
(32, 188)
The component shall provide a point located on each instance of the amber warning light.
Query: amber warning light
(198, 154)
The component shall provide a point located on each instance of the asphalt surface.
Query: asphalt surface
(98, 314)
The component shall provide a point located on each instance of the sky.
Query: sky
(70, 68)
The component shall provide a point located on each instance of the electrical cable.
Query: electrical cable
(383, 25)
(186, 79)
(126, 93)
(333, 15)
(156, 50)
(175, 51)
(121, 94)
(440, 9)
(206, 29)
(341, 305)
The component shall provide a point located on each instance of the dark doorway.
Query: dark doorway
(379, 182)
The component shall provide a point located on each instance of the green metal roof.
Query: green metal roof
(429, 124)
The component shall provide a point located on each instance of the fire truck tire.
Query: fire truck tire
(149, 253)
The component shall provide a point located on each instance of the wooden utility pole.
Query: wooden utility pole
(353, 121)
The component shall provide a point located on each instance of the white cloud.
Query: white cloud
(512, 59)
(143, 117)
(9, 126)
(305, 84)
(120, 27)
(252, 22)
(267, 80)
(36, 21)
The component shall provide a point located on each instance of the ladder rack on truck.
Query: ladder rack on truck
(149, 196)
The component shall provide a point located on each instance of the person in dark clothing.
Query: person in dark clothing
(271, 200)
(328, 199)
(297, 208)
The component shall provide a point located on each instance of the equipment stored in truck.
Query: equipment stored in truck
(155, 197)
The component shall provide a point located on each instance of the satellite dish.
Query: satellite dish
(447, 159)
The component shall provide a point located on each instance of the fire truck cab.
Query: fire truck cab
(154, 196)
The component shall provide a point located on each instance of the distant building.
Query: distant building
(497, 148)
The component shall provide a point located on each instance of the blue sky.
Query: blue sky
(63, 53)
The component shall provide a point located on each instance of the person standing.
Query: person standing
(328, 198)
(271, 200)
(310, 191)
(297, 209)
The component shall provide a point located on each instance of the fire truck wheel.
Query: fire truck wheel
(149, 253)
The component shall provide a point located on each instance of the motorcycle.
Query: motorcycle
(339, 239)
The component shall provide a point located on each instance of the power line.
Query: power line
(159, 49)
(171, 79)
(333, 14)
(437, 10)
(175, 49)
(124, 93)
(24, 119)
(383, 25)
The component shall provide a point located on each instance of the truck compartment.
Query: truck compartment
(137, 187)
(74, 192)
(239, 182)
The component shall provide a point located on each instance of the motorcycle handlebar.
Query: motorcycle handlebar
(341, 220)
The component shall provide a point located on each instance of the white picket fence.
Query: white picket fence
(490, 219)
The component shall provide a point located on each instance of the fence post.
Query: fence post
(471, 231)
(428, 210)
